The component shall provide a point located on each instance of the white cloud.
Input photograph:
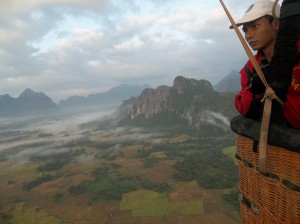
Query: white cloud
(15, 6)
(63, 48)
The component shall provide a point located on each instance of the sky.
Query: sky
(80, 47)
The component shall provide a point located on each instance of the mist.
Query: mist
(29, 136)
(23, 137)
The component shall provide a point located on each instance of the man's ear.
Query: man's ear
(276, 24)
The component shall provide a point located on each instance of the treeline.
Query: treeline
(150, 162)
(104, 188)
(38, 181)
(53, 165)
(211, 169)
(105, 145)
(54, 161)
(193, 145)
(58, 160)
(233, 198)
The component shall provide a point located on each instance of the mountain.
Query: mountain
(230, 83)
(114, 96)
(29, 102)
(188, 104)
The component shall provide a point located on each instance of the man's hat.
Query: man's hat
(258, 9)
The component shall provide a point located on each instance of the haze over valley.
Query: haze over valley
(99, 166)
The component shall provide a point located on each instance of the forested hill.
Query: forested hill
(188, 104)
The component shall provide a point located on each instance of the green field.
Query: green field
(230, 152)
(23, 215)
(149, 203)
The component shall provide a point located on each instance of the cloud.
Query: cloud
(15, 6)
(63, 47)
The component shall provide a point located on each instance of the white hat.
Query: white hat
(258, 9)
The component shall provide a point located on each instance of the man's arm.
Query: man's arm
(247, 103)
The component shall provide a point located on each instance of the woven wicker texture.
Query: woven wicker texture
(274, 197)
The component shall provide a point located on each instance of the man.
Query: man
(281, 69)
(284, 77)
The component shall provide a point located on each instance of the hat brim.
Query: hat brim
(248, 18)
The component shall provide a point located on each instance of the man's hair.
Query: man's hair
(269, 18)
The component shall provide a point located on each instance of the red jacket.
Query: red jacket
(249, 105)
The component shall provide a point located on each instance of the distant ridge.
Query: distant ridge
(30, 102)
(188, 100)
(115, 95)
(230, 83)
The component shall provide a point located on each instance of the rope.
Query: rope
(274, 9)
(269, 93)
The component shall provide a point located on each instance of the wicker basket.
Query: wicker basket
(275, 196)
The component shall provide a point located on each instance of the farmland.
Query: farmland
(121, 175)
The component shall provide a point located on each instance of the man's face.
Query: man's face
(261, 34)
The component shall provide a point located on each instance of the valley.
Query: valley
(82, 170)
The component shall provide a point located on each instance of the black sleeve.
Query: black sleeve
(255, 109)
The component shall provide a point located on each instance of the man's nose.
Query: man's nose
(249, 34)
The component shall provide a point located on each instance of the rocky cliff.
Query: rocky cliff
(188, 103)
(152, 102)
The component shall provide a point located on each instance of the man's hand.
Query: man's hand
(256, 86)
